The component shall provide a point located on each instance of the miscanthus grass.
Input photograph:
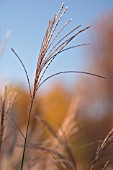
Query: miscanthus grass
(6, 103)
(51, 47)
(102, 146)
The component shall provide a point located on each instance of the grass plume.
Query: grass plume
(51, 47)
(105, 143)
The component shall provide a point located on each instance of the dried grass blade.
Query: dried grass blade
(8, 135)
(6, 106)
(3, 117)
(71, 156)
(88, 145)
(18, 127)
(67, 163)
(29, 84)
(61, 140)
(39, 147)
(50, 128)
(65, 72)
(52, 152)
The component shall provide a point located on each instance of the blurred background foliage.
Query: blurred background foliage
(94, 115)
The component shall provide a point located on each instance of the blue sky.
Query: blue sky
(27, 21)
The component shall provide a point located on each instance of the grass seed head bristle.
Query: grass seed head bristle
(50, 57)
(105, 143)
(62, 6)
(45, 59)
(59, 33)
(52, 52)
(106, 165)
(59, 20)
